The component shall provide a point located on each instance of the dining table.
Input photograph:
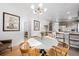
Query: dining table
(43, 43)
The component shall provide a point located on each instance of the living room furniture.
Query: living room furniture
(50, 52)
(5, 44)
(46, 47)
(33, 51)
(61, 49)
(24, 48)
(42, 44)
(44, 34)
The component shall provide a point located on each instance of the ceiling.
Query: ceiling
(55, 11)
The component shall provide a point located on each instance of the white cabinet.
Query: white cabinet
(74, 40)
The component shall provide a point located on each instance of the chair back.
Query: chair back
(24, 47)
(51, 52)
(34, 51)
(62, 49)
(36, 37)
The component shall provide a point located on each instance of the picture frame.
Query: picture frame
(11, 22)
(36, 25)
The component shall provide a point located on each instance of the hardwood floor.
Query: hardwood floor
(74, 51)
(16, 52)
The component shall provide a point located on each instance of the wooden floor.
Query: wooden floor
(74, 51)
(16, 52)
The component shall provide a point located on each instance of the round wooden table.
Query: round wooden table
(43, 43)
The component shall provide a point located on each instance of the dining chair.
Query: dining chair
(61, 49)
(24, 48)
(36, 37)
(34, 51)
(48, 37)
(44, 33)
(50, 52)
(52, 35)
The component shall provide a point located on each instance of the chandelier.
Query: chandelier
(39, 10)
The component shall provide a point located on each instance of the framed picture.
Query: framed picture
(36, 25)
(11, 22)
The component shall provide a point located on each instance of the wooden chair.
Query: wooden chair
(34, 51)
(50, 52)
(48, 37)
(61, 49)
(44, 33)
(34, 37)
(24, 48)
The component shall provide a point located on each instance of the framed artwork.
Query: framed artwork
(36, 25)
(11, 22)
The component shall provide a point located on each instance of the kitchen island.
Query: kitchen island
(71, 38)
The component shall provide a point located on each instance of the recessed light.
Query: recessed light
(70, 17)
(68, 12)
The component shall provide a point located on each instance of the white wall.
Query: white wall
(63, 28)
(42, 23)
(71, 26)
(55, 26)
(16, 36)
(26, 22)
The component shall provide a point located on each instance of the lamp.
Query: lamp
(39, 10)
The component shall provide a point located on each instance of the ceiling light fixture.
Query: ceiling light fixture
(70, 17)
(68, 12)
(39, 10)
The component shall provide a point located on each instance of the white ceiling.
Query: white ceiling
(55, 11)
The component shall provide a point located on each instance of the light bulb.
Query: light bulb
(40, 13)
(32, 6)
(34, 12)
(40, 5)
(69, 17)
(68, 12)
(45, 9)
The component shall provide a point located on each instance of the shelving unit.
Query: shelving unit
(74, 40)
